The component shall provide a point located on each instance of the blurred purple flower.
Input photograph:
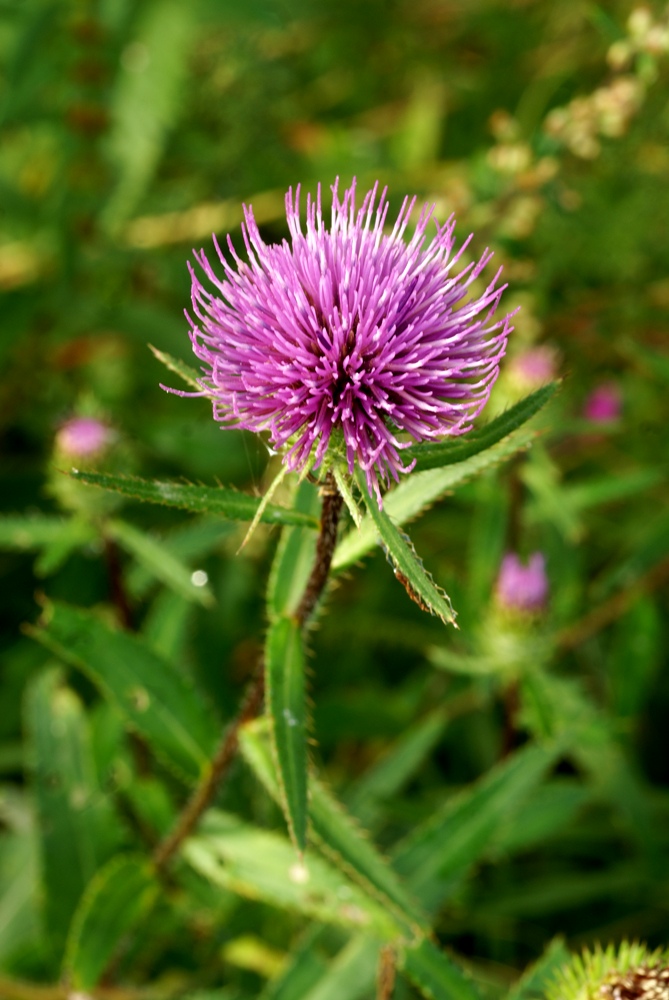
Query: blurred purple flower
(348, 333)
(522, 587)
(534, 366)
(604, 404)
(82, 437)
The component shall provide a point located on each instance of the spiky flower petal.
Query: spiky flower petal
(348, 334)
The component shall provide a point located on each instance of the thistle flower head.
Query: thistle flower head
(604, 404)
(83, 437)
(522, 587)
(347, 336)
(629, 972)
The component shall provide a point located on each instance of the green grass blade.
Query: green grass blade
(434, 455)
(532, 984)
(198, 499)
(435, 975)
(156, 557)
(77, 828)
(450, 842)
(153, 697)
(351, 974)
(115, 901)
(408, 568)
(286, 705)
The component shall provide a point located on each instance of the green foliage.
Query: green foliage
(471, 805)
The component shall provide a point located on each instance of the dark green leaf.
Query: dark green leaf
(115, 901)
(286, 704)
(198, 499)
(156, 700)
(436, 976)
(294, 557)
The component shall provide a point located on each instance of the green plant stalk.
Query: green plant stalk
(255, 693)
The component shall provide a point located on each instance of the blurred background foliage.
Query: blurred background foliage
(130, 132)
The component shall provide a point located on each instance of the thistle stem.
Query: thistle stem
(253, 698)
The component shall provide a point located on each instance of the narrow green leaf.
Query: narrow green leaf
(408, 568)
(435, 975)
(19, 921)
(386, 778)
(338, 835)
(294, 557)
(286, 704)
(257, 864)
(456, 837)
(114, 902)
(189, 542)
(158, 560)
(77, 827)
(532, 984)
(303, 970)
(198, 499)
(420, 490)
(351, 974)
(36, 531)
(434, 455)
(152, 696)
(180, 368)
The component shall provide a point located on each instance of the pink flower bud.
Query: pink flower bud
(522, 587)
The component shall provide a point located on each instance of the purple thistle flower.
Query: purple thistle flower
(347, 334)
(83, 437)
(520, 587)
(604, 404)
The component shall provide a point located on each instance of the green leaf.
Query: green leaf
(304, 969)
(115, 901)
(338, 835)
(445, 847)
(36, 531)
(351, 974)
(294, 557)
(19, 923)
(532, 984)
(434, 455)
(198, 499)
(260, 865)
(286, 705)
(147, 100)
(408, 568)
(435, 975)
(386, 778)
(158, 560)
(152, 696)
(189, 543)
(77, 827)
(190, 376)
(420, 490)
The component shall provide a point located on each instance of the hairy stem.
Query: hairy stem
(253, 698)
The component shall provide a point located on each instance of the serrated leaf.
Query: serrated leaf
(451, 841)
(408, 568)
(152, 696)
(435, 975)
(115, 901)
(338, 835)
(257, 864)
(294, 557)
(286, 705)
(197, 499)
(180, 368)
(77, 827)
(420, 490)
(155, 557)
(434, 455)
